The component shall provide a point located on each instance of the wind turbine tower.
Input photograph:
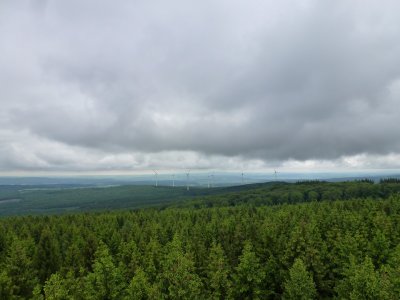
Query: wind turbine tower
(276, 175)
(156, 176)
(173, 180)
(242, 178)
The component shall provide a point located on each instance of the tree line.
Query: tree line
(277, 193)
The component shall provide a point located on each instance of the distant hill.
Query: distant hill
(57, 198)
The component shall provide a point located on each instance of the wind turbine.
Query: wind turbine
(208, 180)
(276, 175)
(242, 178)
(156, 175)
(173, 180)
(187, 180)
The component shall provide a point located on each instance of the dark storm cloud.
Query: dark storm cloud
(256, 81)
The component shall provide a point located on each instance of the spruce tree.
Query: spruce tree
(55, 288)
(363, 282)
(6, 288)
(249, 274)
(47, 257)
(179, 276)
(20, 268)
(139, 287)
(299, 285)
(218, 273)
(106, 280)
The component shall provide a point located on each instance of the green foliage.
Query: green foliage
(6, 288)
(390, 180)
(232, 247)
(55, 288)
(16, 200)
(302, 191)
(47, 257)
(363, 282)
(106, 281)
(20, 269)
(218, 273)
(394, 268)
(37, 293)
(249, 274)
(74, 256)
(300, 285)
(139, 287)
(179, 278)
(130, 258)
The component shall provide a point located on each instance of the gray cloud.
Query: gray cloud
(212, 84)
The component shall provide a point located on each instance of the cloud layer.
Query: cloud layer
(99, 85)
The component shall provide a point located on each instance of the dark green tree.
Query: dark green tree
(106, 280)
(47, 256)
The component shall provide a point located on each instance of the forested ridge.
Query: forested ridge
(273, 193)
(49, 199)
(214, 248)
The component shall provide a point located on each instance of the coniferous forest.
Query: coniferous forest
(242, 245)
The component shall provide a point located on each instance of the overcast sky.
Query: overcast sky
(125, 86)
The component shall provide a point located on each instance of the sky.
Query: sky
(94, 86)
